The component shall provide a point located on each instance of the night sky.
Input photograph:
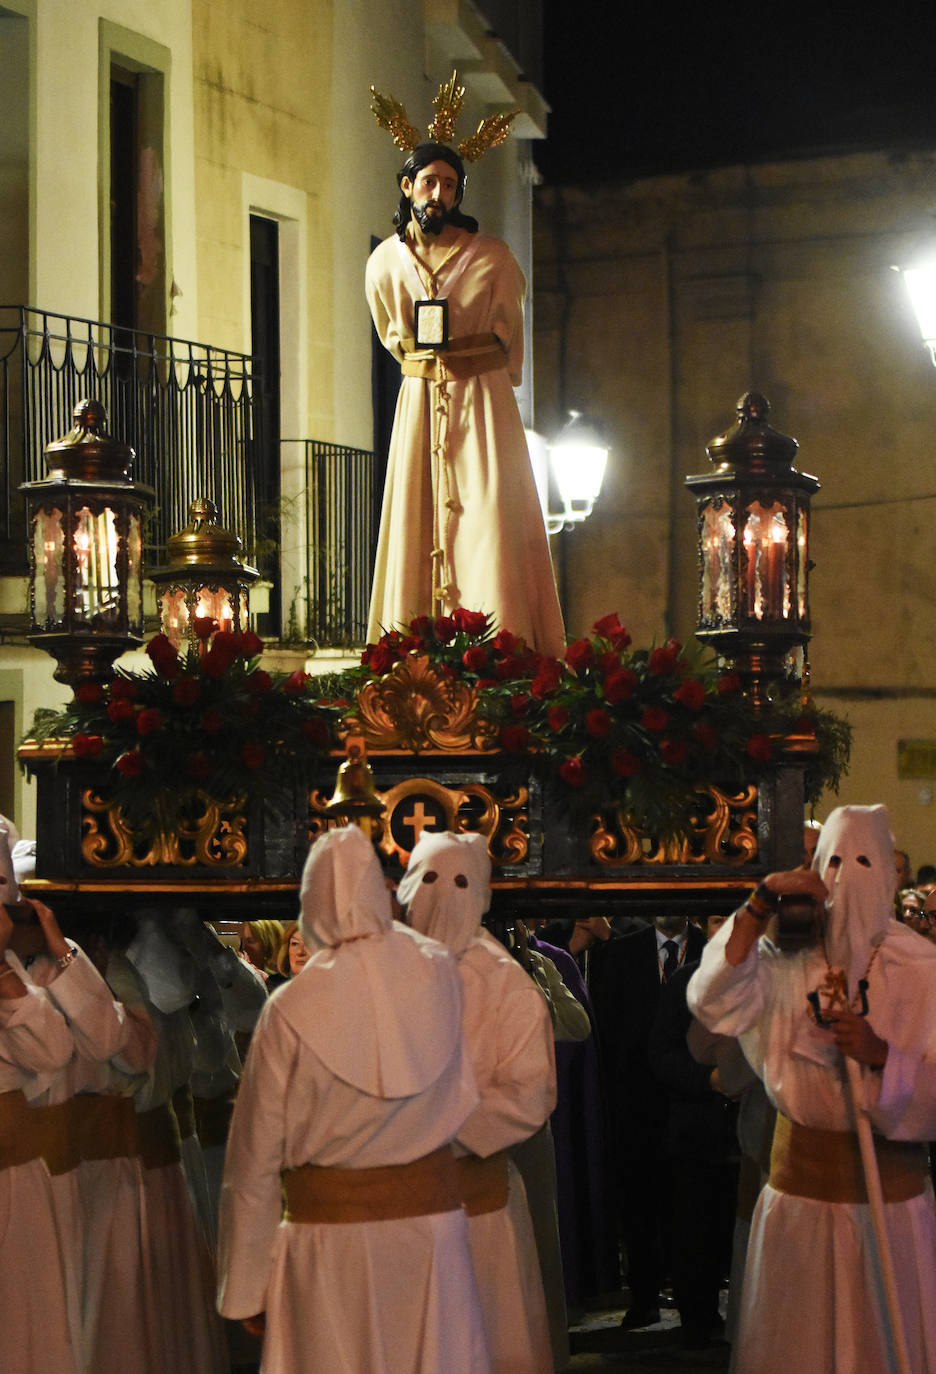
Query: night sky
(644, 88)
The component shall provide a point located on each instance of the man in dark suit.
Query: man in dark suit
(626, 978)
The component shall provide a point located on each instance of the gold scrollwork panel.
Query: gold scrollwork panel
(416, 707)
(215, 836)
(723, 831)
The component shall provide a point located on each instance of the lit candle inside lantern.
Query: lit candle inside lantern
(776, 570)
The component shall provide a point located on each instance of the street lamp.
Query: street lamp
(86, 550)
(753, 521)
(920, 279)
(204, 577)
(576, 459)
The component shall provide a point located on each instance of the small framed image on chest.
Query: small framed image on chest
(432, 324)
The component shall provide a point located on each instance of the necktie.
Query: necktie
(671, 962)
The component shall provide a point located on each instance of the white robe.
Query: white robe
(35, 1044)
(509, 1037)
(385, 1297)
(812, 1300)
(494, 533)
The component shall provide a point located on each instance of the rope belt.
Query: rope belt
(388, 1193)
(826, 1165)
(158, 1136)
(470, 356)
(102, 1126)
(483, 1183)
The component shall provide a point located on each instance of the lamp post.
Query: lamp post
(86, 550)
(204, 577)
(753, 522)
(576, 459)
(920, 279)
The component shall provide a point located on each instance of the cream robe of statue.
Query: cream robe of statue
(509, 1035)
(488, 519)
(355, 1064)
(812, 1299)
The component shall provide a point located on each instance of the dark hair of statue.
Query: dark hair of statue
(420, 157)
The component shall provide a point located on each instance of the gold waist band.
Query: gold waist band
(483, 1183)
(158, 1136)
(388, 1193)
(470, 356)
(826, 1165)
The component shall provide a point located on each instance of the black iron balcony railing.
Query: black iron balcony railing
(191, 412)
(336, 530)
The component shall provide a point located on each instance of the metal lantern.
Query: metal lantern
(204, 577)
(753, 521)
(86, 550)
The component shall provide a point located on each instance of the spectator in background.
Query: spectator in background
(259, 945)
(292, 954)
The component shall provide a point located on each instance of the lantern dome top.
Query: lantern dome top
(203, 543)
(752, 444)
(87, 452)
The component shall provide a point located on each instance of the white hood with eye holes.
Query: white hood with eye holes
(855, 860)
(447, 887)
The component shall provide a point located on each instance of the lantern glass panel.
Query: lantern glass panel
(135, 573)
(802, 543)
(766, 580)
(49, 586)
(97, 585)
(718, 532)
(215, 603)
(174, 614)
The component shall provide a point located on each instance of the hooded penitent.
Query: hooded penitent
(447, 887)
(855, 860)
(9, 838)
(378, 1004)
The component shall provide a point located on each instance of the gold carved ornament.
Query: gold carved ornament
(415, 707)
(215, 837)
(391, 115)
(723, 831)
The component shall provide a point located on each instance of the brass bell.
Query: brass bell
(355, 790)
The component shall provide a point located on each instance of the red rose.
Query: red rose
(295, 684)
(219, 657)
(87, 746)
(204, 626)
(654, 718)
(620, 639)
(89, 693)
(410, 642)
(470, 622)
(758, 748)
(573, 771)
(607, 625)
(444, 629)
(421, 626)
(663, 661)
(520, 703)
(705, 733)
(624, 763)
(163, 655)
(315, 731)
(608, 661)
(619, 685)
(547, 679)
(691, 693)
(504, 642)
(122, 688)
(382, 660)
(253, 754)
(580, 655)
(253, 644)
(149, 721)
(475, 658)
(131, 764)
(120, 708)
(673, 751)
(597, 722)
(728, 684)
(186, 691)
(514, 738)
(485, 682)
(558, 716)
(199, 765)
(258, 682)
(212, 721)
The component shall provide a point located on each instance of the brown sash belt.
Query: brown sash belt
(22, 1131)
(102, 1126)
(826, 1165)
(469, 356)
(158, 1135)
(483, 1183)
(388, 1193)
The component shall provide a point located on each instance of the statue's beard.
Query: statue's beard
(431, 217)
